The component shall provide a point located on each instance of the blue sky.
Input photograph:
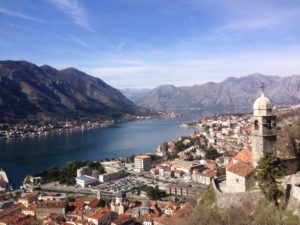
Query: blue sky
(145, 43)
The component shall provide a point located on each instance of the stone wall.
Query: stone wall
(237, 199)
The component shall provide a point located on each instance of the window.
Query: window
(237, 180)
(256, 125)
(269, 125)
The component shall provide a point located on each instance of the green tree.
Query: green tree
(268, 170)
(154, 192)
(211, 153)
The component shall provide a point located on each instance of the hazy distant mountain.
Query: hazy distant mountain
(232, 92)
(134, 94)
(29, 91)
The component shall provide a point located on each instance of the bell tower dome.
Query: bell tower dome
(263, 128)
(262, 106)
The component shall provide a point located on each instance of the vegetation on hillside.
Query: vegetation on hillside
(211, 153)
(288, 133)
(67, 174)
(154, 193)
(206, 212)
(268, 171)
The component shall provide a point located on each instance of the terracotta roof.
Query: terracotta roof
(241, 169)
(51, 204)
(12, 208)
(142, 156)
(161, 220)
(94, 203)
(30, 197)
(122, 219)
(17, 219)
(244, 156)
(31, 207)
(99, 213)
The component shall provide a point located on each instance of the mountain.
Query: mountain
(232, 92)
(134, 94)
(31, 92)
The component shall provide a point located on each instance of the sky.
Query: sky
(146, 43)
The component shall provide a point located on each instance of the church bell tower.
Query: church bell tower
(263, 128)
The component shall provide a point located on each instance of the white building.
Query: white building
(84, 171)
(111, 175)
(84, 181)
(142, 163)
(3, 181)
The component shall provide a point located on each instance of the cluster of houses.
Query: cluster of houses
(186, 171)
(53, 208)
(8, 131)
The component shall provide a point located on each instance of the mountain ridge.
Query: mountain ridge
(29, 91)
(231, 92)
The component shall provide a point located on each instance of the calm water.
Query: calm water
(21, 157)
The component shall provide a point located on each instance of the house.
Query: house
(29, 198)
(100, 217)
(123, 220)
(45, 208)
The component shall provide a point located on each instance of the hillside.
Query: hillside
(31, 92)
(134, 94)
(232, 92)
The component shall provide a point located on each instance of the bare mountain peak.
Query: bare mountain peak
(232, 92)
(48, 69)
(27, 90)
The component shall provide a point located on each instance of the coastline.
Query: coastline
(25, 130)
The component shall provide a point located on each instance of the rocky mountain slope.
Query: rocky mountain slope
(31, 92)
(134, 94)
(232, 92)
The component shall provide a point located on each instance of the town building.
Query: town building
(184, 189)
(85, 181)
(13, 209)
(185, 166)
(27, 199)
(84, 171)
(142, 163)
(112, 175)
(3, 181)
(32, 183)
(100, 217)
(45, 208)
(240, 171)
(263, 129)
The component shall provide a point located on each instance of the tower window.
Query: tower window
(256, 125)
(269, 125)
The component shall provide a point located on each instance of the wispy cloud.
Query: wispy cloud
(74, 10)
(80, 16)
(14, 13)
(202, 69)
(264, 19)
(123, 71)
(79, 41)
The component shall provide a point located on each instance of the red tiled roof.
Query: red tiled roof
(94, 203)
(241, 169)
(122, 219)
(244, 156)
(99, 213)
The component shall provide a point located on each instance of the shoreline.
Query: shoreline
(30, 130)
